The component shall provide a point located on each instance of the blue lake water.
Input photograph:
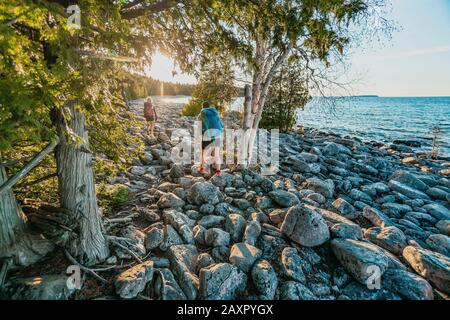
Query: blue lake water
(382, 118)
(374, 118)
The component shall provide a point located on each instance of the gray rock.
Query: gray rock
(265, 279)
(408, 179)
(166, 287)
(444, 227)
(211, 221)
(154, 238)
(407, 285)
(345, 208)
(216, 237)
(235, 226)
(357, 291)
(395, 209)
(377, 217)
(433, 266)
(340, 277)
(284, 198)
(204, 192)
(169, 200)
(177, 171)
(291, 290)
(358, 257)
(252, 232)
(131, 282)
(222, 209)
(177, 219)
(437, 193)
(220, 253)
(171, 237)
(389, 238)
(346, 231)
(438, 211)
(439, 243)
(138, 170)
(183, 259)
(204, 260)
(207, 208)
(221, 281)
(358, 195)
(316, 197)
(291, 265)
(407, 190)
(46, 287)
(309, 157)
(305, 226)
(243, 255)
(325, 188)
(199, 235)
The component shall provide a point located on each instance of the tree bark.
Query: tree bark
(16, 240)
(262, 78)
(77, 187)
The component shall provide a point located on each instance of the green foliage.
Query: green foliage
(288, 93)
(111, 197)
(215, 84)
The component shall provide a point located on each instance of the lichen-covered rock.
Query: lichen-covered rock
(46, 287)
(243, 255)
(433, 266)
(407, 284)
(235, 226)
(166, 287)
(283, 198)
(358, 258)
(292, 290)
(291, 265)
(183, 259)
(305, 226)
(377, 217)
(389, 238)
(252, 232)
(221, 281)
(325, 188)
(265, 279)
(216, 237)
(170, 200)
(131, 282)
(345, 208)
(204, 192)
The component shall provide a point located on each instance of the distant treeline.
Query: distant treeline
(139, 86)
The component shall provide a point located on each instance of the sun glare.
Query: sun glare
(163, 68)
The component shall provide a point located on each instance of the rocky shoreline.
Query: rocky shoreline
(343, 219)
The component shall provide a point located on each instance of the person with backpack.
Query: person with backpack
(211, 136)
(150, 115)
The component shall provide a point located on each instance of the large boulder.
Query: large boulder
(235, 226)
(407, 285)
(407, 190)
(183, 259)
(283, 198)
(46, 287)
(292, 290)
(325, 188)
(359, 258)
(131, 282)
(431, 265)
(408, 179)
(438, 211)
(439, 243)
(345, 208)
(244, 255)
(305, 226)
(166, 287)
(389, 238)
(222, 281)
(291, 265)
(204, 192)
(265, 279)
(377, 217)
(444, 227)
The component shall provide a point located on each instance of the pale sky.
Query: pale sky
(416, 62)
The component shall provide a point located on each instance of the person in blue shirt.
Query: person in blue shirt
(211, 135)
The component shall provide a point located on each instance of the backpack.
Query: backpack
(149, 111)
(211, 123)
